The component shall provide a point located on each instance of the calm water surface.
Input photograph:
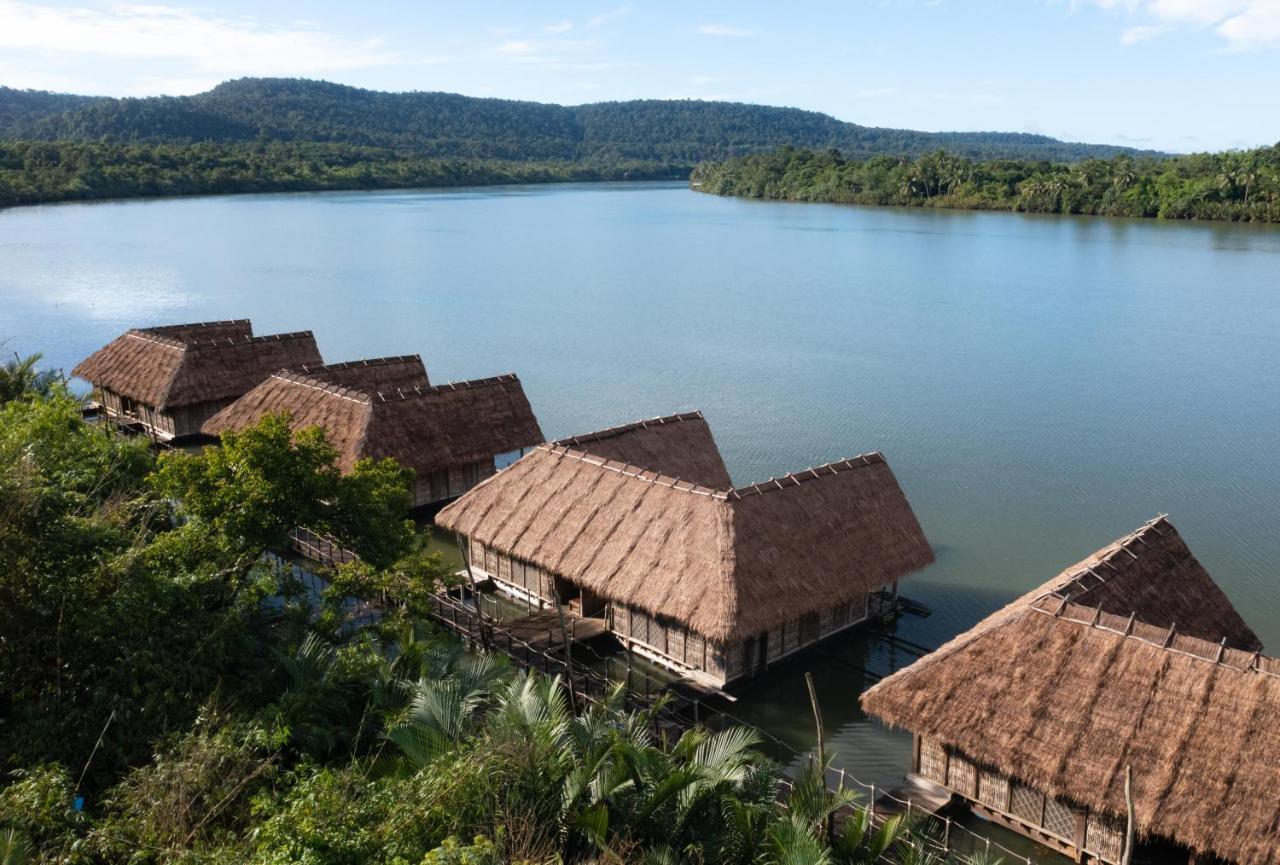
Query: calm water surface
(1041, 385)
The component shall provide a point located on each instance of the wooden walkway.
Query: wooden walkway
(918, 796)
(542, 631)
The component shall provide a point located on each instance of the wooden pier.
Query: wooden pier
(916, 797)
(542, 630)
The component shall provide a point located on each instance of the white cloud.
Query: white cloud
(559, 27)
(516, 46)
(1134, 35)
(1244, 24)
(605, 17)
(210, 46)
(723, 30)
(562, 54)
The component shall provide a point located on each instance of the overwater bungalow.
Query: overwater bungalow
(640, 525)
(169, 380)
(452, 435)
(1132, 659)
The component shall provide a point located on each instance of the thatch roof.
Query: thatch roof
(1063, 695)
(678, 446)
(373, 375)
(423, 428)
(728, 563)
(1152, 574)
(185, 364)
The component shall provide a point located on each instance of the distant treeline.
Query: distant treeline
(44, 171)
(1242, 186)
(449, 126)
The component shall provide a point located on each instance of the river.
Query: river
(1041, 385)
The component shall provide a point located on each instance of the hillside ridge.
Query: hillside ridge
(449, 125)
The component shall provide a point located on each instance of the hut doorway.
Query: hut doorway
(755, 653)
(591, 605)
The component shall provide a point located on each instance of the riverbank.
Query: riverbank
(44, 172)
(1235, 186)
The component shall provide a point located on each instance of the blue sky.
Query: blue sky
(1177, 75)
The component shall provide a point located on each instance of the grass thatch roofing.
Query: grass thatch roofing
(374, 375)
(728, 563)
(679, 446)
(184, 364)
(1063, 695)
(423, 428)
(1153, 574)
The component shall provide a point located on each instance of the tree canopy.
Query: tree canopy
(1236, 186)
(166, 697)
(450, 126)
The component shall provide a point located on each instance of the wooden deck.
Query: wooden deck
(541, 629)
(919, 795)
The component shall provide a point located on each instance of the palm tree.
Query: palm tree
(1124, 175)
(14, 848)
(446, 701)
(20, 378)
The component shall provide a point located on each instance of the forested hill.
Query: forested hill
(444, 125)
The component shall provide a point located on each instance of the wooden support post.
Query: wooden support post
(568, 651)
(475, 593)
(830, 826)
(1128, 806)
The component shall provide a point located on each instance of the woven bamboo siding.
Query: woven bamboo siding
(451, 482)
(736, 660)
(663, 636)
(791, 635)
(1060, 819)
(933, 760)
(676, 643)
(993, 790)
(1104, 837)
(775, 644)
(808, 629)
(962, 777)
(1027, 804)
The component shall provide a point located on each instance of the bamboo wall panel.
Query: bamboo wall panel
(993, 790)
(1027, 804)
(1060, 819)
(933, 760)
(1104, 838)
(962, 777)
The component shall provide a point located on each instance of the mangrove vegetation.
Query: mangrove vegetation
(1238, 186)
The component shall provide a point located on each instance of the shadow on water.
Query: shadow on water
(777, 702)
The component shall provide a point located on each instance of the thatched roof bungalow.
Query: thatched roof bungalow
(640, 524)
(1124, 660)
(171, 379)
(449, 434)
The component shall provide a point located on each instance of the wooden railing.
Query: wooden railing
(680, 711)
(318, 548)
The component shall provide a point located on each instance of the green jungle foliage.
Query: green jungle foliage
(167, 697)
(1236, 186)
(42, 171)
(449, 126)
